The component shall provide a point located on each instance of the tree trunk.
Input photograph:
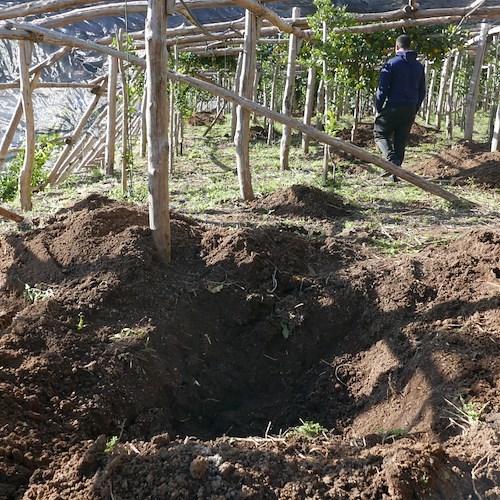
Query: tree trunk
(157, 124)
(472, 95)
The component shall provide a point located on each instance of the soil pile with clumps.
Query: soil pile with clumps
(463, 163)
(246, 333)
(364, 135)
(301, 201)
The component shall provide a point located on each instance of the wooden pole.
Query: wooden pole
(442, 91)
(472, 95)
(144, 128)
(272, 99)
(449, 100)
(25, 50)
(9, 214)
(309, 105)
(242, 134)
(157, 124)
(495, 141)
(327, 89)
(236, 88)
(125, 125)
(288, 94)
(109, 162)
(430, 96)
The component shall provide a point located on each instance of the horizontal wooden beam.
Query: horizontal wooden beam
(50, 85)
(263, 12)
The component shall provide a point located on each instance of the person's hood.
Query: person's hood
(410, 56)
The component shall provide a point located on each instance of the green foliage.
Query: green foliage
(308, 428)
(110, 444)
(33, 294)
(464, 414)
(80, 325)
(356, 58)
(9, 178)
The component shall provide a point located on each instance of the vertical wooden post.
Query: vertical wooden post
(144, 133)
(272, 104)
(242, 133)
(449, 100)
(172, 131)
(288, 94)
(236, 89)
(125, 124)
(25, 50)
(327, 93)
(472, 95)
(157, 123)
(430, 95)
(495, 141)
(309, 105)
(109, 161)
(442, 91)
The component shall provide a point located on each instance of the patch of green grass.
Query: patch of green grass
(389, 247)
(307, 428)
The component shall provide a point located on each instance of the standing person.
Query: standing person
(399, 96)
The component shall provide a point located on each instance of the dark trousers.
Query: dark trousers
(391, 130)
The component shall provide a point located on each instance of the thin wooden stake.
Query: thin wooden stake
(472, 95)
(288, 94)
(109, 161)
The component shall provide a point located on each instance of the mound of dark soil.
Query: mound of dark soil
(246, 332)
(364, 135)
(301, 201)
(462, 163)
(204, 118)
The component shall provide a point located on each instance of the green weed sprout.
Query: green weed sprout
(110, 444)
(308, 428)
(466, 415)
(81, 323)
(33, 294)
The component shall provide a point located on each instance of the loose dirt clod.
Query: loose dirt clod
(247, 332)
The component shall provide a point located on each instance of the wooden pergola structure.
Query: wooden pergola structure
(259, 25)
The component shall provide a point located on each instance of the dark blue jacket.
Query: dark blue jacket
(402, 82)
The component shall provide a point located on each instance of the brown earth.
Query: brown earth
(364, 135)
(463, 163)
(246, 333)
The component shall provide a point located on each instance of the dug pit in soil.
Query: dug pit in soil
(247, 333)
